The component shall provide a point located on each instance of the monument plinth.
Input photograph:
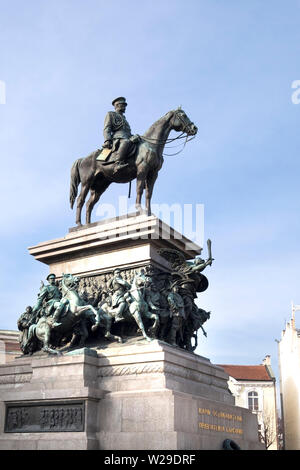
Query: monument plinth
(132, 396)
(129, 241)
(136, 395)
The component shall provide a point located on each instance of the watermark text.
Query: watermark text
(178, 221)
(296, 94)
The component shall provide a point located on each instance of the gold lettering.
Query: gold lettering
(204, 411)
(203, 425)
(234, 430)
(224, 415)
(211, 427)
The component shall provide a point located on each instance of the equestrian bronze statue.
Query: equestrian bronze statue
(125, 157)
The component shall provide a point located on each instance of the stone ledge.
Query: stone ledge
(34, 395)
(130, 233)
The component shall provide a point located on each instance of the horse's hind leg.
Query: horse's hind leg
(96, 193)
(46, 342)
(80, 201)
(70, 344)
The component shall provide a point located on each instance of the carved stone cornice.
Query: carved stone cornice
(162, 368)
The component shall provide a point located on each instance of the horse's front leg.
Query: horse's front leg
(153, 316)
(149, 190)
(136, 315)
(89, 311)
(140, 185)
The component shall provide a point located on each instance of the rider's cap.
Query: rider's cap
(120, 99)
(50, 275)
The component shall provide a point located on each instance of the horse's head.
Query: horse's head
(181, 122)
(70, 282)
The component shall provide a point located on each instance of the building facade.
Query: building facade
(254, 387)
(289, 368)
(9, 346)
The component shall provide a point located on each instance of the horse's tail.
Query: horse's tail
(75, 181)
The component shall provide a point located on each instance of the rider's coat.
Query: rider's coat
(116, 126)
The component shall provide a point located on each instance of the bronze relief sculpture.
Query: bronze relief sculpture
(150, 302)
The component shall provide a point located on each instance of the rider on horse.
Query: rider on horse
(119, 287)
(117, 133)
(50, 301)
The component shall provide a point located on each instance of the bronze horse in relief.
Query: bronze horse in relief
(143, 165)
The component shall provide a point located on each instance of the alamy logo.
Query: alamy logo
(2, 92)
(296, 93)
(186, 218)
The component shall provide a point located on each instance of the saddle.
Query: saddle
(106, 155)
(103, 155)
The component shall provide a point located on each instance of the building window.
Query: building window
(253, 401)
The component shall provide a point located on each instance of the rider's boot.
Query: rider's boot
(56, 317)
(172, 337)
(119, 315)
(122, 153)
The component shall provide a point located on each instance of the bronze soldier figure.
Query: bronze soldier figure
(177, 314)
(119, 287)
(50, 301)
(24, 322)
(117, 133)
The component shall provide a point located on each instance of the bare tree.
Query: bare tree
(268, 430)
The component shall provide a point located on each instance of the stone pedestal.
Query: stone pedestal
(125, 242)
(136, 395)
(132, 396)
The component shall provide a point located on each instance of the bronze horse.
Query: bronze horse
(76, 321)
(144, 165)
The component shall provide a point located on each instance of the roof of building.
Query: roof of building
(256, 372)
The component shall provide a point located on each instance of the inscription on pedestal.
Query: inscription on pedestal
(220, 421)
(45, 417)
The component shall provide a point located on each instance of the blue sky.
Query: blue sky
(231, 65)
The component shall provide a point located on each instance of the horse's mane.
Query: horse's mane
(154, 125)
